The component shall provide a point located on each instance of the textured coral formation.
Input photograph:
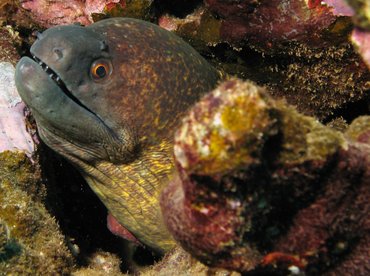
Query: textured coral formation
(315, 69)
(125, 8)
(362, 12)
(324, 83)
(30, 240)
(13, 135)
(9, 38)
(50, 13)
(180, 263)
(338, 7)
(101, 263)
(361, 40)
(299, 53)
(200, 28)
(361, 34)
(359, 130)
(300, 44)
(263, 188)
(269, 25)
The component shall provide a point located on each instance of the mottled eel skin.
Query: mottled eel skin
(108, 97)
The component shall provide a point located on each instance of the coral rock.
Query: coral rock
(271, 24)
(361, 40)
(13, 134)
(263, 188)
(360, 36)
(50, 13)
(30, 239)
(180, 263)
(339, 7)
(361, 13)
(101, 263)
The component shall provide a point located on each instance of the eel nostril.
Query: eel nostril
(58, 52)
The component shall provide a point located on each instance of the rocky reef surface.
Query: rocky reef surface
(261, 187)
(30, 238)
(285, 45)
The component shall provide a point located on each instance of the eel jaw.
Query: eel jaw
(65, 124)
(60, 83)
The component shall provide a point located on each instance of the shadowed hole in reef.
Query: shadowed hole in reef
(351, 111)
(82, 216)
(177, 8)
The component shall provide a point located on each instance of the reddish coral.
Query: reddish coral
(339, 7)
(50, 13)
(361, 34)
(262, 188)
(313, 65)
(267, 24)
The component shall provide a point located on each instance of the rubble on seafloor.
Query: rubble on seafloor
(301, 52)
(179, 262)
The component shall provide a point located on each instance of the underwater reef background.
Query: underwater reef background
(273, 165)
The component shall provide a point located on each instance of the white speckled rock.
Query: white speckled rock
(13, 133)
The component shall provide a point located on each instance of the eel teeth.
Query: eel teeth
(48, 70)
(54, 76)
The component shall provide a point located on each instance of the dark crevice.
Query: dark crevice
(179, 9)
(351, 111)
(80, 214)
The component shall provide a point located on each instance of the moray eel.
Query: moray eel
(107, 97)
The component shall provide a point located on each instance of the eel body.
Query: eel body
(108, 97)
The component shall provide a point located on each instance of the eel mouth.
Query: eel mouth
(60, 83)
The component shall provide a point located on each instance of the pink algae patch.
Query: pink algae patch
(361, 40)
(13, 133)
(50, 13)
(339, 7)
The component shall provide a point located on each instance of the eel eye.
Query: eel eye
(100, 69)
